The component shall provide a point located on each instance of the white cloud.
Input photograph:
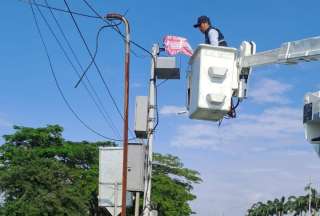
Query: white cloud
(171, 110)
(232, 186)
(5, 123)
(269, 91)
(275, 127)
(267, 157)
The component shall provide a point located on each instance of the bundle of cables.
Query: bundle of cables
(232, 113)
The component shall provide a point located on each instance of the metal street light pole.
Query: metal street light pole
(126, 110)
(151, 122)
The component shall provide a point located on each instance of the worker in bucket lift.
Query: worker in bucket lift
(213, 35)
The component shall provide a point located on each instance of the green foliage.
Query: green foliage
(172, 186)
(295, 206)
(43, 174)
(39, 137)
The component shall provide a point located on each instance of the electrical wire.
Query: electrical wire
(102, 110)
(162, 82)
(59, 9)
(118, 31)
(78, 62)
(57, 82)
(94, 55)
(81, 67)
(134, 43)
(94, 62)
(147, 174)
(156, 107)
(232, 113)
(80, 14)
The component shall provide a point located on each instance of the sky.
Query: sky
(260, 155)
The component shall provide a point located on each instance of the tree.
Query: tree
(296, 206)
(280, 206)
(271, 207)
(291, 204)
(172, 186)
(43, 174)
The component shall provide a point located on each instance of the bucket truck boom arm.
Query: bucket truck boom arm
(290, 52)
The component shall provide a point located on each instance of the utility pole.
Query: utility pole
(310, 193)
(136, 206)
(151, 120)
(126, 111)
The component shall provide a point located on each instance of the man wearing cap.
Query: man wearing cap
(213, 35)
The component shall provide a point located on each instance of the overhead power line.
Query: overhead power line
(57, 82)
(117, 29)
(88, 16)
(102, 111)
(95, 53)
(137, 45)
(94, 62)
(59, 9)
(98, 16)
(113, 126)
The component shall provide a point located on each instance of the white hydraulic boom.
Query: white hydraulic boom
(305, 50)
(290, 52)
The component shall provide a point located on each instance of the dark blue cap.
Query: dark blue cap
(202, 19)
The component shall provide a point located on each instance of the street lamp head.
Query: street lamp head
(112, 16)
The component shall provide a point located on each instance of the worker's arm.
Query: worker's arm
(213, 37)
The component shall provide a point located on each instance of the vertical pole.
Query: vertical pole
(136, 210)
(151, 121)
(126, 111)
(116, 198)
(125, 127)
(310, 193)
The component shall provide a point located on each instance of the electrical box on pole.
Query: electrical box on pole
(136, 167)
(211, 82)
(166, 68)
(141, 117)
(110, 173)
